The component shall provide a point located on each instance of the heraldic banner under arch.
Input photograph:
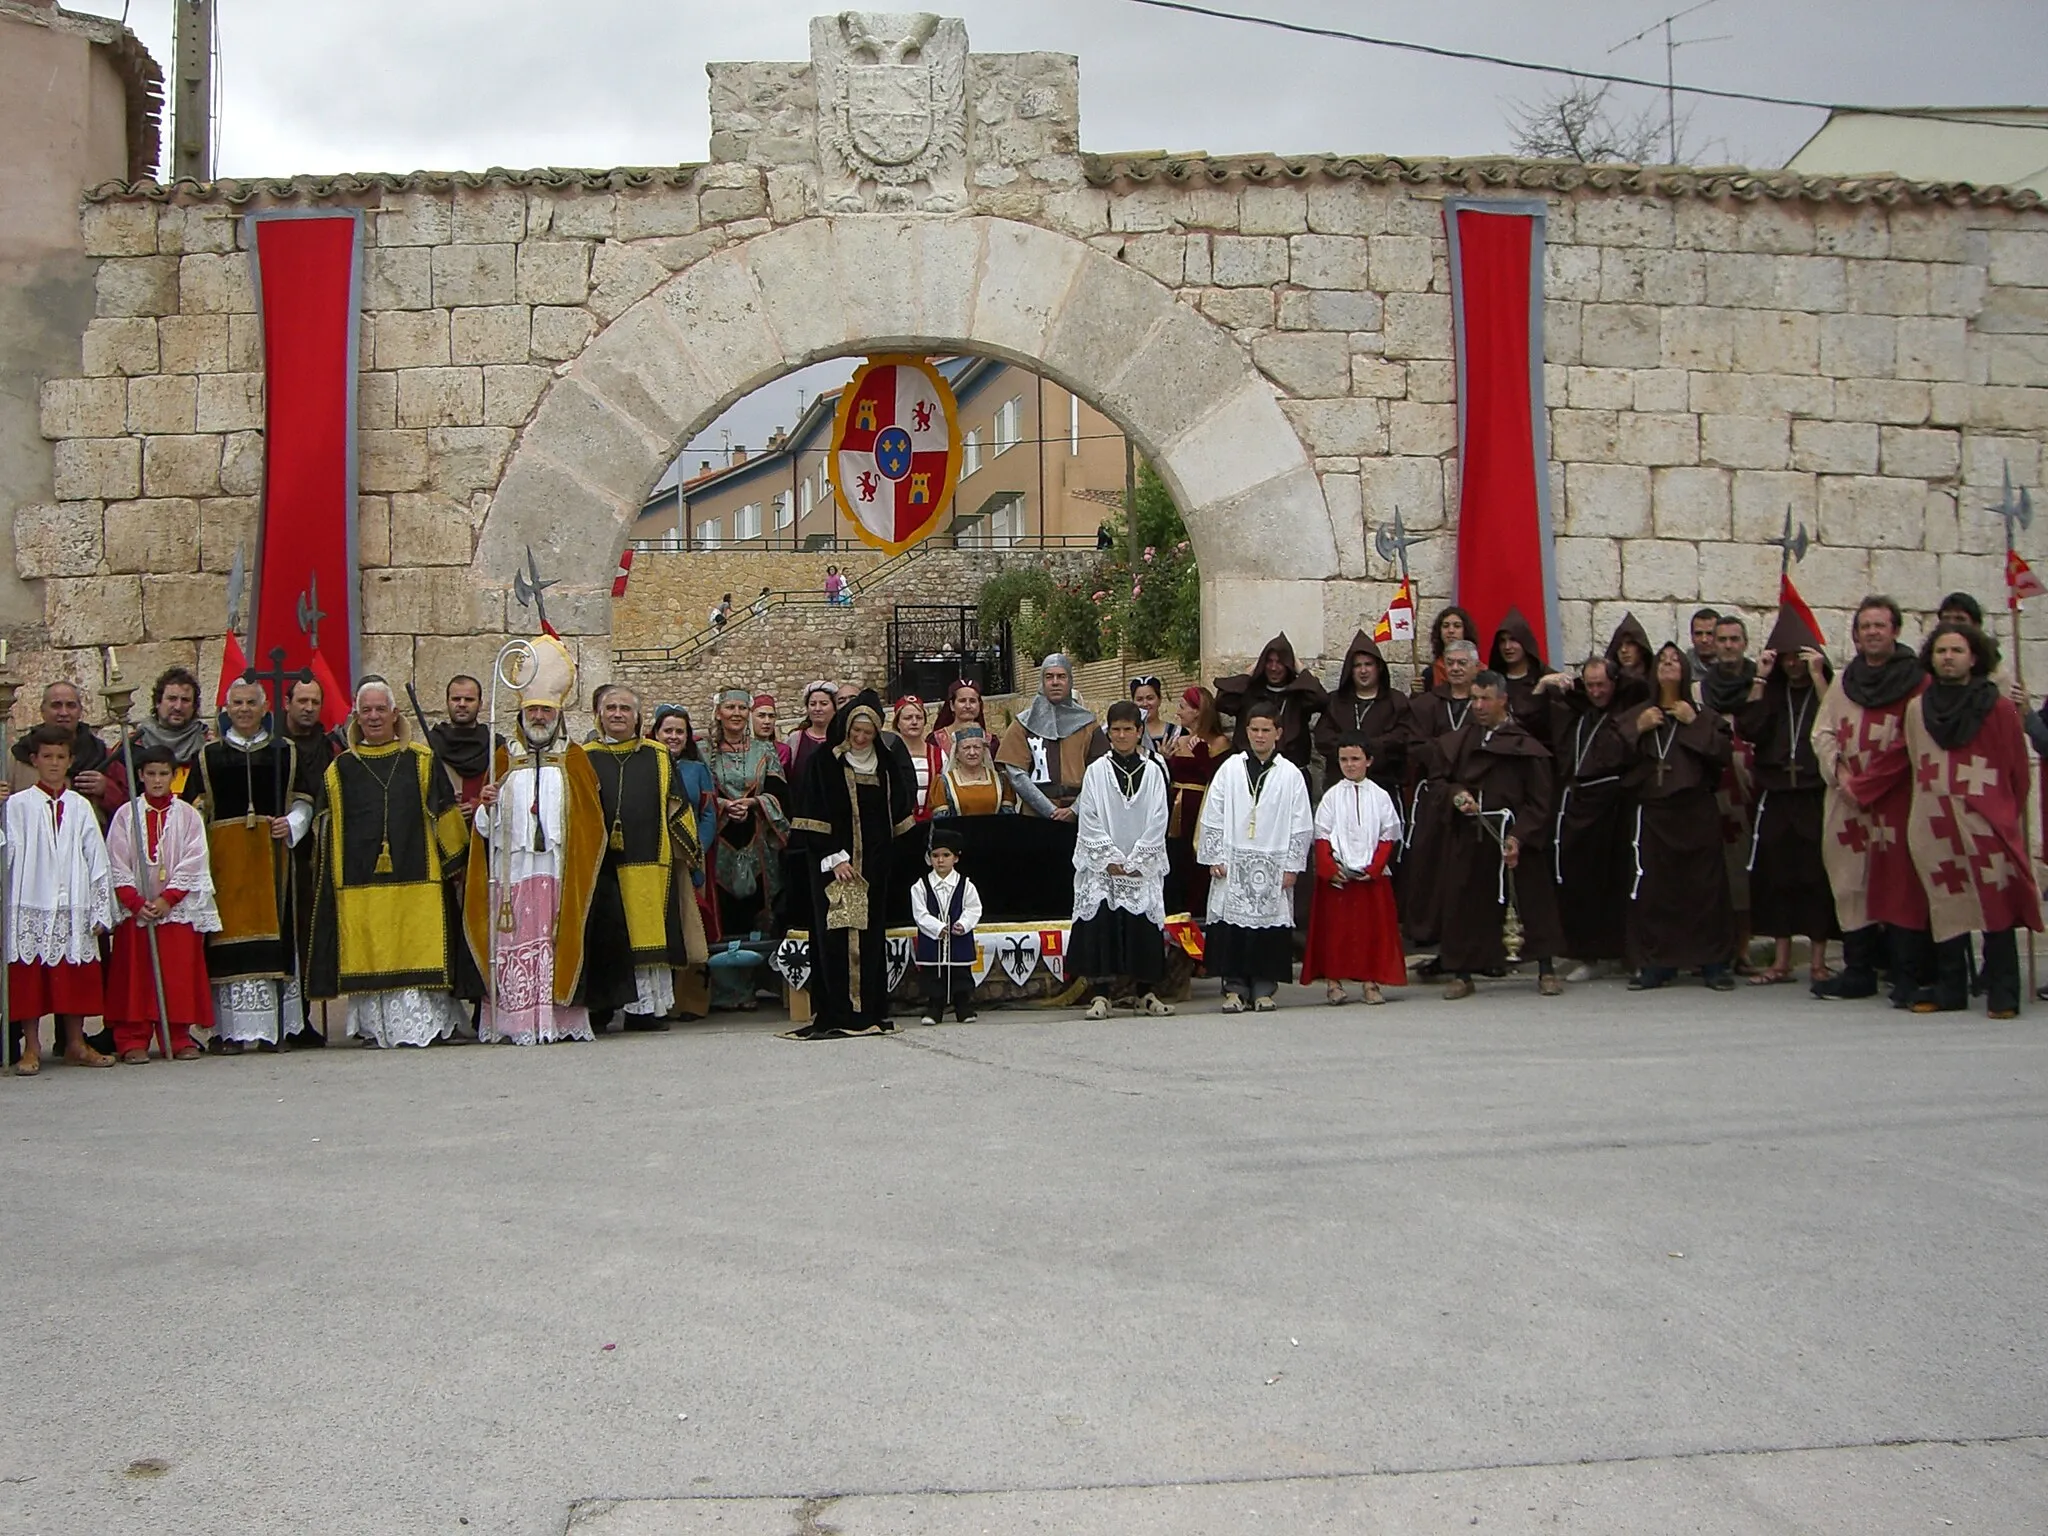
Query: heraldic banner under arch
(895, 451)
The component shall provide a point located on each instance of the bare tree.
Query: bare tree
(1582, 122)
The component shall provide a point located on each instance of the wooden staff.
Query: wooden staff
(118, 701)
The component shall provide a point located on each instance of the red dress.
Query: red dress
(1354, 931)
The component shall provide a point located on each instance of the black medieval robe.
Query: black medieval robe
(1436, 717)
(1680, 916)
(1299, 700)
(238, 790)
(1789, 891)
(1505, 770)
(840, 809)
(1593, 846)
(632, 920)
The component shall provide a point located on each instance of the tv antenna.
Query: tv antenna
(1672, 44)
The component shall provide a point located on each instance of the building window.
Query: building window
(784, 516)
(711, 534)
(746, 523)
(998, 525)
(970, 453)
(1074, 425)
(807, 498)
(1009, 423)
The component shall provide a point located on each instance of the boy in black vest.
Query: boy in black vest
(946, 908)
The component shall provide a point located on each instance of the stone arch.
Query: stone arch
(747, 313)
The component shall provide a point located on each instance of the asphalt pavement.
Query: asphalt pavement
(1606, 1263)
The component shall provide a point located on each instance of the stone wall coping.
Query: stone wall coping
(1490, 173)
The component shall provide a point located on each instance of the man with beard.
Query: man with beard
(1679, 916)
(1048, 747)
(462, 743)
(1970, 777)
(173, 724)
(1494, 777)
(1860, 741)
(1366, 705)
(634, 941)
(1788, 879)
(537, 841)
(1724, 688)
(251, 792)
(1297, 698)
(62, 707)
(1437, 717)
(1593, 852)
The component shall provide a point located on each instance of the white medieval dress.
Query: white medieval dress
(60, 893)
(1257, 828)
(525, 832)
(1120, 920)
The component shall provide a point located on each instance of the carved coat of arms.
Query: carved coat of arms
(892, 112)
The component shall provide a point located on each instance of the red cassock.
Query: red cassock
(1354, 932)
(131, 988)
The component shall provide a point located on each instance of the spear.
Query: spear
(118, 699)
(2017, 512)
(1392, 544)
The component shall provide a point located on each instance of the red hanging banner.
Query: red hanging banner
(307, 269)
(1505, 555)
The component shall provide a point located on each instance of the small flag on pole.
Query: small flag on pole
(625, 570)
(1398, 622)
(335, 701)
(232, 665)
(2020, 581)
(1789, 598)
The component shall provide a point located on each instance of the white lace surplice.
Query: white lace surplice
(403, 1016)
(246, 1009)
(1257, 844)
(61, 884)
(1130, 833)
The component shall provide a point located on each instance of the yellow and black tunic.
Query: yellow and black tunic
(646, 823)
(239, 789)
(392, 846)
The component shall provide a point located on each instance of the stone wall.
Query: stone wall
(670, 593)
(1276, 334)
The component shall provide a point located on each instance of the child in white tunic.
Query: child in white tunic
(1119, 935)
(1255, 835)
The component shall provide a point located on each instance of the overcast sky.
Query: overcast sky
(397, 85)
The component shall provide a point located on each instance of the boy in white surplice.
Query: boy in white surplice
(1255, 836)
(1119, 934)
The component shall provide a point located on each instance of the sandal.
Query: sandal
(1264, 1005)
(1232, 1003)
(86, 1056)
(1372, 993)
(1333, 992)
(1771, 977)
(1150, 1004)
(189, 1053)
(135, 1058)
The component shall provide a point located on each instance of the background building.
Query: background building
(1985, 146)
(1038, 465)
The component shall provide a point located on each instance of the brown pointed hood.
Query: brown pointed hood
(1518, 627)
(1361, 645)
(1630, 628)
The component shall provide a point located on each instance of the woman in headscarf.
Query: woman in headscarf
(927, 761)
(852, 806)
(751, 793)
(1629, 649)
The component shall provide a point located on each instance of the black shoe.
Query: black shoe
(645, 1024)
(1643, 981)
(1718, 979)
(308, 1039)
(1846, 986)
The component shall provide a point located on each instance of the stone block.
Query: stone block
(1911, 571)
(429, 529)
(373, 531)
(96, 407)
(1741, 575)
(440, 397)
(1330, 311)
(561, 334)
(1761, 498)
(398, 277)
(1762, 394)
(1244, 261)
(1585, 437)
(1920, 453)
(412, 339)
(227, 524)
(376, 400)
(1600, 389)
(1346, 208)
(2000, 408)
(1272, 210)
(1692, 338)
(95, 610)
(1626, 221)
(1857, 346)
(2021, 360)
(181, 466)
(1379, 378)
(1933, 348)
(1401, 263)
(1607, 501)
(1160, 257)
(1417, 325)
(153, 537)
(1305, 363)
(468, 459)
(1660, 570)
(211, 284)
(245, 344)
(1433, 382)
(510, 394)
(488, 215)
(1980, 574)
(1414, 428)
(1849, 229)
(162, 403)
(620, 276)
(230, 402)
(1081, 212)
(724, 205)
(434, 600)
(499, 334)
(241, 464)
(1690, 503)
(184, 607)
(1835, 447)
(473, 275)
(792, 193)
(1779, 341)
(1025, 277)
(1562, 339)
(58, 539)
(1900, 402)
(1888, 287)
(121, 347)
(2019, 258)
(1961, 290)
(137, 285)
(391, 461)
(194, 343)
(1572, 272)
(97, 468)
(1989, 461)
(1647, 437)
(1865, 511)
(1328, 261)
(416, 218)
(1633, 275)
(118, 229)
(1339, 427)
(1238, 309)
(1662, 389)
(1620, 336)
(1588, 567)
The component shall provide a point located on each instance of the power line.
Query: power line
(1470, 57)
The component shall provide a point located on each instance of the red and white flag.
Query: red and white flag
(625, 570)
(2020, 581)
(1398, 622)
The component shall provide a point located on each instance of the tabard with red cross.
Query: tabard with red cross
(895, 451)
(1965, 828)
(1862, 754)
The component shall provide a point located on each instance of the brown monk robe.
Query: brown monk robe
(1276, 679)
(1366, 704)
(1435, 717)
(1492, 852)
(1789, 892)
(1593, 853)
(1517, 655)
(1680, 916)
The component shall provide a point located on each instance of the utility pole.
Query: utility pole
(1671, 46)
(192, 100)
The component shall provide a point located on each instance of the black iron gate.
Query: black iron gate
(933, 644)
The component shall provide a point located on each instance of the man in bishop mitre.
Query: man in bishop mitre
(392, 844)
(248, 788)
(538, 843)
(637, 937)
